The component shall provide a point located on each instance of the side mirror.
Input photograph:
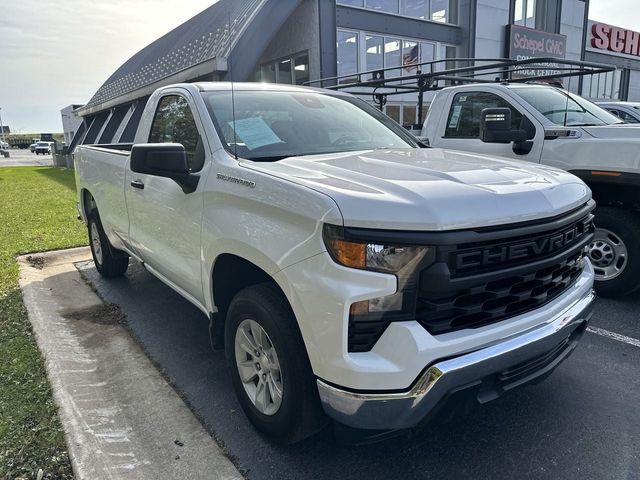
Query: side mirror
(495, 127)
(167, 160)
(423, 141)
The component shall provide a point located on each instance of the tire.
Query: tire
(299, 414)
(109, 261)
(615, 251)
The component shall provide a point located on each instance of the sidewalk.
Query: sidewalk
(121, 418)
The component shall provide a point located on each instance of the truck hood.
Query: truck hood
(432, 189)
(624, 131)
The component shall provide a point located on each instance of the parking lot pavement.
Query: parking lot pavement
(582, 422)
(24, 158)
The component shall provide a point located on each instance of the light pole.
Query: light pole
(1, 126)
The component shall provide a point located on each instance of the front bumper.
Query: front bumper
(487, 372)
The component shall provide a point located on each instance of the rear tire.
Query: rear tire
(109, 261)
(615, 251)
(269, 326)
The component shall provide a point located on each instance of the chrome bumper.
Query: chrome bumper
(487, 373)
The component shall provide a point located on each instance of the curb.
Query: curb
(121, 418)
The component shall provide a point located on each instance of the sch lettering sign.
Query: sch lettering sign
(615, 39)
(525, 43)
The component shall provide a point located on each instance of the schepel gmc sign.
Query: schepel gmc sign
(526, 43)
(615, 39)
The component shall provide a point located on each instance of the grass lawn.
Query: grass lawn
(37, 212)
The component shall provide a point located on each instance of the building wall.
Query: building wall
(634, 86)
(299, 33)
(70, 122)
(571, 25)
(491, 19)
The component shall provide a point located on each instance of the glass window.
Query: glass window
(284, 71)
(392, 56)
(415, 8)
(352, 3)
(268, 73)
(565, 109)
(272, 125)
(524, 13)
(626, 117)
(347, 50)
(410, 56)
(390, 6)
(374, 53)
(393, 111)
(441, 11)
(408, 115)
(532, 14)
(464, 117)
(301, 69)
(427, 54)
(174, 123)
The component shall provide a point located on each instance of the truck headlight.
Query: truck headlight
(370, 256)
(369, 318)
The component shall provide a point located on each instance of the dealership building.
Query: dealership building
(296, 41)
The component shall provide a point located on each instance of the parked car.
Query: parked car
(546, 125)
(628, 112)
(43, 148)
(346, 271)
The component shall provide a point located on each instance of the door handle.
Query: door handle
(137, 184)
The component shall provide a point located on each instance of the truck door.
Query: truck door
(165, 223)
(462, 128)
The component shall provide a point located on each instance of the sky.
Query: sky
(57, 52)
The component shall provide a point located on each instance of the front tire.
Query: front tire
(269, 367)
(109, 261)
(615, 251)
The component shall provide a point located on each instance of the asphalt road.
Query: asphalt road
(24, 158)
(582, 422)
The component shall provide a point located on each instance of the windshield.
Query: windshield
(272, 125)
(565, 109)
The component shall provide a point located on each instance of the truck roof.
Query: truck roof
(253, 86)
(514, 85)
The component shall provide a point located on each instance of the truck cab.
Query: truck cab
(550, 126)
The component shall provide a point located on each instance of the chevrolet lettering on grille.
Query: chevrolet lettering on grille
(494, 255)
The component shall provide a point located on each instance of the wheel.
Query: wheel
(109, 261)
(269, 367)
(615, 251)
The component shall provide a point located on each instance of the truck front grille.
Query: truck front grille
(474, 278)
(490, 302)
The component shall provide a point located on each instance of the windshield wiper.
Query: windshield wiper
(272, 158)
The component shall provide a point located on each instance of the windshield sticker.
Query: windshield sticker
(255, 132)
(455, 116)
(462, 98)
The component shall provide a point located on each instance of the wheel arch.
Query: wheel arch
(231, 273)
(615, 189)
(87, 203)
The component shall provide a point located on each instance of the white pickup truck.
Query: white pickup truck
(546, 125)
(346, 271)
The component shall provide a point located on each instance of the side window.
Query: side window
(464, 117)
(174, 123)
(627, 117)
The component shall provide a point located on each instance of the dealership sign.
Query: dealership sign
(614, 39)
(525, 43)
